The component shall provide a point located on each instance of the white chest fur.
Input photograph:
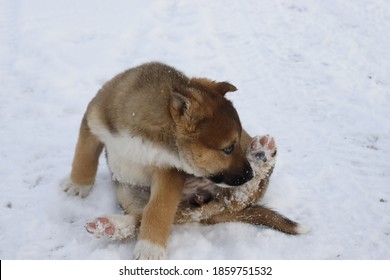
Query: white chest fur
(132, 159)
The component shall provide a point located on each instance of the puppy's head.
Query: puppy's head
(208, 132)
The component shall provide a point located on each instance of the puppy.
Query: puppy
(158, 126)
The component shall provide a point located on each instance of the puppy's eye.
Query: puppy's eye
(228, 150)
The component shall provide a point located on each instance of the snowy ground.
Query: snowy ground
(314, 74)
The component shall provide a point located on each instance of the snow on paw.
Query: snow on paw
(100, 227)
(114, 227)
(146, 250)
(74, 189)
(262, 148)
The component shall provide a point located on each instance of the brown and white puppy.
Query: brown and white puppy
(157, 126)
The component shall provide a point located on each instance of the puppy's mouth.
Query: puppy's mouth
(225, 180)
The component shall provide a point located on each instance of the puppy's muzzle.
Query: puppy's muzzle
(231, 179)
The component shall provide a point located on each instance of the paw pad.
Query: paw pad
(262, 148)
(114, 227)
(100, 227)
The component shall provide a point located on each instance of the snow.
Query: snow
(313, 74)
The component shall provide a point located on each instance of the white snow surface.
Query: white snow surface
(313, 74)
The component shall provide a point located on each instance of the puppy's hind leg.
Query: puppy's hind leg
(114, 227)
(85, 162)
(132, 200)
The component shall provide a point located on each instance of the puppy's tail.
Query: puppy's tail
(260, 215)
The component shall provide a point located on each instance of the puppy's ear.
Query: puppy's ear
(179, 105)
(185, 109)
(220, 88)
(224, 87)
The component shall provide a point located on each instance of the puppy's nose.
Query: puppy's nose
(246, 176)
(249, 174)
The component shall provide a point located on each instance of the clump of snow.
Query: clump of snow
(313, 74)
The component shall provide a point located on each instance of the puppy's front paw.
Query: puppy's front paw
(146, 250)
(74, 189)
